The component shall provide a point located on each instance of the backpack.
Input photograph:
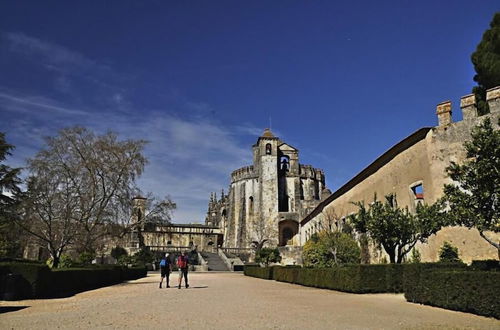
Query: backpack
(182, 262)
(163, 263)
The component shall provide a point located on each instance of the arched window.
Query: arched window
(284, 163)
(268, 149)
(250, 205)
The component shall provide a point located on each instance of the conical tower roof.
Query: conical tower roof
(267, 133)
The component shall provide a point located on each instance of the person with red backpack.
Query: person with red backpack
(182, 264)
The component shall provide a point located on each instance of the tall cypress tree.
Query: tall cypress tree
(9, 198)
(486, 60)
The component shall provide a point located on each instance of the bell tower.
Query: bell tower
(266, 166)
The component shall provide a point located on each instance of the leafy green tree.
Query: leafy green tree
(486, 60)
(415, 257)
(267, 256)
(143, 256)
(118, 252)
(448, 253)
(330, 248)
(9, 200)
(396, 229)
(86, 257)
(474, 197)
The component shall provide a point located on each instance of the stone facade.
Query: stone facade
(266, 200)
(414, 170)
(170, 237)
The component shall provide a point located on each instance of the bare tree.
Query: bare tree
(263, 232)
(80, 183)
(159, 211)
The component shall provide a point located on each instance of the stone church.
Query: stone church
(268, 199)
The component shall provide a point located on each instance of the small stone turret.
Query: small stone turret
(468, 106)
(138, 208)
(443, 111)
(493, 99)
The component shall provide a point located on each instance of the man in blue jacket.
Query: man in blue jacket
(165, 269)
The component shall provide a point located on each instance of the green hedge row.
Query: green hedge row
(356, 278)
(260, 272)
(468, 291)
(30, 280)
(453, 286)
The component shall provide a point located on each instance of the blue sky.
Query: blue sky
(200, 80)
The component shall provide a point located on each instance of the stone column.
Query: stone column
(443, 110)
(468, 106)
(493, 99)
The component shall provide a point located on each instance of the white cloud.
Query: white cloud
(188, 158)
(190, 154)
(34, 105)
(54, 57)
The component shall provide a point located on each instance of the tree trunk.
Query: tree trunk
(365, 251)
(392, 256)
(55, 259)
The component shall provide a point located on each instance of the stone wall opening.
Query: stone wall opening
(287, 230)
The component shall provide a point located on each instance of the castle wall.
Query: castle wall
(419, 159)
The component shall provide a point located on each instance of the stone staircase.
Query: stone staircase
(215, 262)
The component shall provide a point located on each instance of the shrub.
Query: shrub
(331, 248)
(415, 256)
(85, 258)
(268, 255)
(118, 252)
(359, 278)
(485, 265)
(468, 291)
(37, 280)
(412, 274)
(260, 272)
(143, 256)
(448, 253)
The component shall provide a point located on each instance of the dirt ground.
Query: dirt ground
(230, 301)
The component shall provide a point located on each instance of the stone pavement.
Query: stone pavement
(230, 301)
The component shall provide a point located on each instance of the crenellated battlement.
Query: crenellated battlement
(309, 172)
(246, 172)
(468, 106)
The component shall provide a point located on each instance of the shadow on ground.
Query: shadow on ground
(7, 309)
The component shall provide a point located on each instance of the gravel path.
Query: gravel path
(230, 301)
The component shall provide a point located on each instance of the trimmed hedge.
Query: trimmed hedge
(353, 278)
(31, 280)
(453, 286)
(485, 265)
(265, 273)
(350, 278)
(467, 291)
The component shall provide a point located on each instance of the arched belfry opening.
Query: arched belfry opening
(283, 168)
(287, 230)
(268, 149)
(284, 163)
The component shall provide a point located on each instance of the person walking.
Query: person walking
(165, 269)
(182, 263)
